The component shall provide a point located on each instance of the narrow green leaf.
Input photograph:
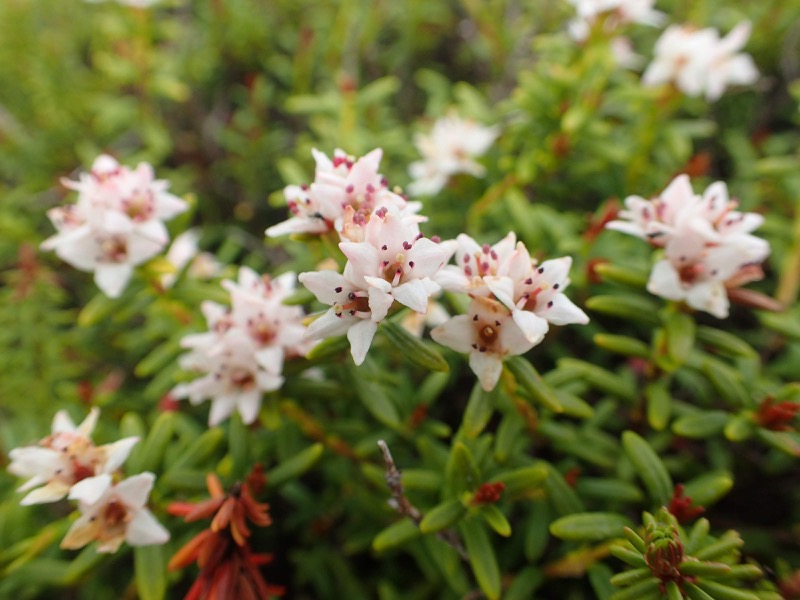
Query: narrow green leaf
(702, 568)
(523, 480)
(634, 559)
(635, 540)
(442, 516)
(527, 377)
(524, 584)
(481, 557)
(697, 536)
(154, 447)
(673, 591)
(589, 527)
(562, 497)
(727, 543)
(649, 468)
(726, 342)
(601, 379)
(151, 576)
(422, 479)
(238, 446)
(396, 535)
(708, 488)
(644, 590)
(628, 578)
(295, 466)
(659, 404)
(376, 401)
(695, 593)
(680, 332)
(600, 579)
(199, 450)
(603, 488)
(478, 411)
(719, 591)
(461, 472)
(785, 441)
(158, 358)
(739, 428)
(624, 275)
(622, 344)
(414, 349)
(630, 308)
(99, 308)
(701, 425)
(496, 519)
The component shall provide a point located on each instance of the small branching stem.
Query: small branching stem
(403, 505)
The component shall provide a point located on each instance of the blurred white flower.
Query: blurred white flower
(112, 514)
(116, 223)
(134, 3)
(707, 243)
(184, 251)
(450, 148)
(241, 355)
(64, 458)
(699, 63)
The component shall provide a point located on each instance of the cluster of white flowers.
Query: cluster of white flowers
(614, 14)
(450, 148)
(514, 301)
(67, 463)
(116, 223)
(707, 244)
(344, 193)
(699, 63)
(242, 353)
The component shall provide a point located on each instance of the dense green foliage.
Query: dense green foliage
(226, 98)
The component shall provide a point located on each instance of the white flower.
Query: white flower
(707, 243)
(699, 63)
(65, 458)
(474, 262)
(615, 13)
(116, 223)
(112, 514)
(339, 183)
(242, 353)
(393, 262)
(488, 333)
(450, 148)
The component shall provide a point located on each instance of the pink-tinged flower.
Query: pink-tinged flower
(698, 273)
(112, 256)
(450, 148)
(64, 458)
(474, 262)
(339, 183)
(707, 244)
(116, 223)
(488, 333)
(394, 262)
(356, 308)
(615, 13)
(112, 514)
(242, 353)
(535, 293)
(699, 63)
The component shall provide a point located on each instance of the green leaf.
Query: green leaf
(627, 578)
(296, 466)
(630, 308)
(703, 568)
(461, 473)
(701, 425)
(442, 516)
(154, 447)
(709, 488)
(523, 480)
(601, 379)
(99, 308)
(562, 496)
(375, 399)
(659, 404)
(785, 441)
(649, 468)
(604, 488)
(199, 450)
(739, 428)
(479, 410)
(151, 576)
(623, 275)
(414, 349)
(628, 556)
(589, 527)
(644, 590)
(622, 344)
(524, 584)
(396, 535)
(527, 377)
(496, 519)
(481, 557)
(726, 342)
(719, 591)
(679, 330)
(158, 358)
